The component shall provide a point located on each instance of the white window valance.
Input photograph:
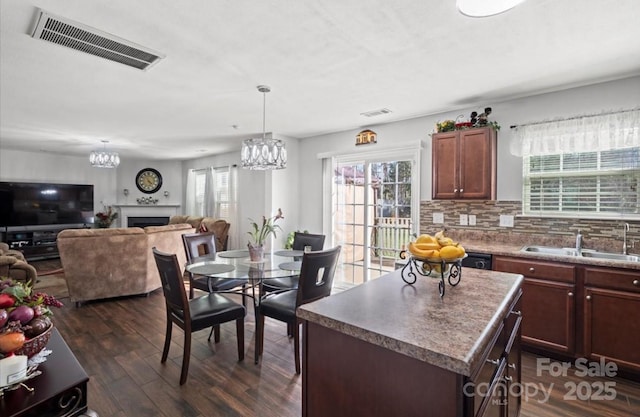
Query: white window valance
(615, 130)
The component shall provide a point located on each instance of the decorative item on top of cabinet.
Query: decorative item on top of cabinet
(464, 164)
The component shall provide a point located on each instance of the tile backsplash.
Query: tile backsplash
(598, 234)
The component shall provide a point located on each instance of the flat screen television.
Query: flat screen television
(39, 204)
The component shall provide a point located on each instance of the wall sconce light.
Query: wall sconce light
(166, 194)
(125, 192)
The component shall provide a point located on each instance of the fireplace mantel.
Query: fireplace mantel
(141, 210)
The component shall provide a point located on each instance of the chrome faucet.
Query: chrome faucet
(625, 229)
(579, 243)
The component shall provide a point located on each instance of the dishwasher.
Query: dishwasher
(477, 260)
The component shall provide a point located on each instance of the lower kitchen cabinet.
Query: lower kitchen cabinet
(611, 316)
(548, 302)
(498, 381)
(579, 311)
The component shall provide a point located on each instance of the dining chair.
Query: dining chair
(300, 240)
(316, 278)
(204, 244)
(192, 315)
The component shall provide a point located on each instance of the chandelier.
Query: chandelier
(262, 154)
(103, 158)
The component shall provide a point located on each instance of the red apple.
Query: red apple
(6, 300)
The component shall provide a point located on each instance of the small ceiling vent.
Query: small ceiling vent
(92, 41)
(374, 113)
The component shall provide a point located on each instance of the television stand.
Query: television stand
(36, 242)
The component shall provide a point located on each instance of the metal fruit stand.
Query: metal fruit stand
(425, 267)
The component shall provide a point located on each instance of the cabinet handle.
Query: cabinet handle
(508, 378)
(462, 190)
(494, 361)
(532, 269)
(570, 294)
(588, 297)
(636, 282)
(516, 312)
(512, 365)
(455, 190)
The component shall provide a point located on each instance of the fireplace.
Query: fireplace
(147, 221)
(146, 215)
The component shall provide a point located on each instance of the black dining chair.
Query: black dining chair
(196, 314)
(316, 278)
(300, 240)
(204, 244)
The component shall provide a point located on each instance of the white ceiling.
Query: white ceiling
(326, 62)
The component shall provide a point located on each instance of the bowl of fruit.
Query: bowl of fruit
(437, 248)
(25, 318)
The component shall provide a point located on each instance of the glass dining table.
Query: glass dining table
(236, 265)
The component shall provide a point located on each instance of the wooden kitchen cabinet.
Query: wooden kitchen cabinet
(611, 309)
(548, 302)
(498, 380)
(464, 164)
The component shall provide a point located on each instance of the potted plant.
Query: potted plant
(104, 219)
(289, 243)
(260, 233)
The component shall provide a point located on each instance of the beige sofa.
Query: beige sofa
(207, 224)
(14, 266)
(106, 263)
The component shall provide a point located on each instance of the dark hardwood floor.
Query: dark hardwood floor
(119, 343)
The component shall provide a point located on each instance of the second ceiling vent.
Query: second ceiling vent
(92, 41)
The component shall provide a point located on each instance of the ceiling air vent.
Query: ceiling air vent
(92, 41)
(374, 113)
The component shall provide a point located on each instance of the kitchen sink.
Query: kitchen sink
(587, 253)
(550, 250)
(612, 256)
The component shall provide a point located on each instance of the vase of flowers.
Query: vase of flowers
(260, 233)
(105, 218)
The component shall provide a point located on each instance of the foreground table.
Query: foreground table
(61, 390)
(386, 348)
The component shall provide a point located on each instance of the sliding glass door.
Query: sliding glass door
(374, 211)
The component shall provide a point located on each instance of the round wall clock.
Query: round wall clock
(148, 180)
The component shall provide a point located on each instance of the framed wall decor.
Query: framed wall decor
(365, 137)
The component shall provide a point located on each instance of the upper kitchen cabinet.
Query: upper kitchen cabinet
(464, 164)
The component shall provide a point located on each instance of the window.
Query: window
(222, 193)
(586, 166)
(602, 183)
(200, 181)
(212, 201)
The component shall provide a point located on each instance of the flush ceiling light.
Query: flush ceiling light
(104, 159)
(262, 154)
(485, 8)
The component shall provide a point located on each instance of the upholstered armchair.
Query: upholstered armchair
(14, 266)
(207, 224)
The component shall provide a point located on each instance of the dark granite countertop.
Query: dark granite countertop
(450, 332)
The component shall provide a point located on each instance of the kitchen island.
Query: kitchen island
(386, 348)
